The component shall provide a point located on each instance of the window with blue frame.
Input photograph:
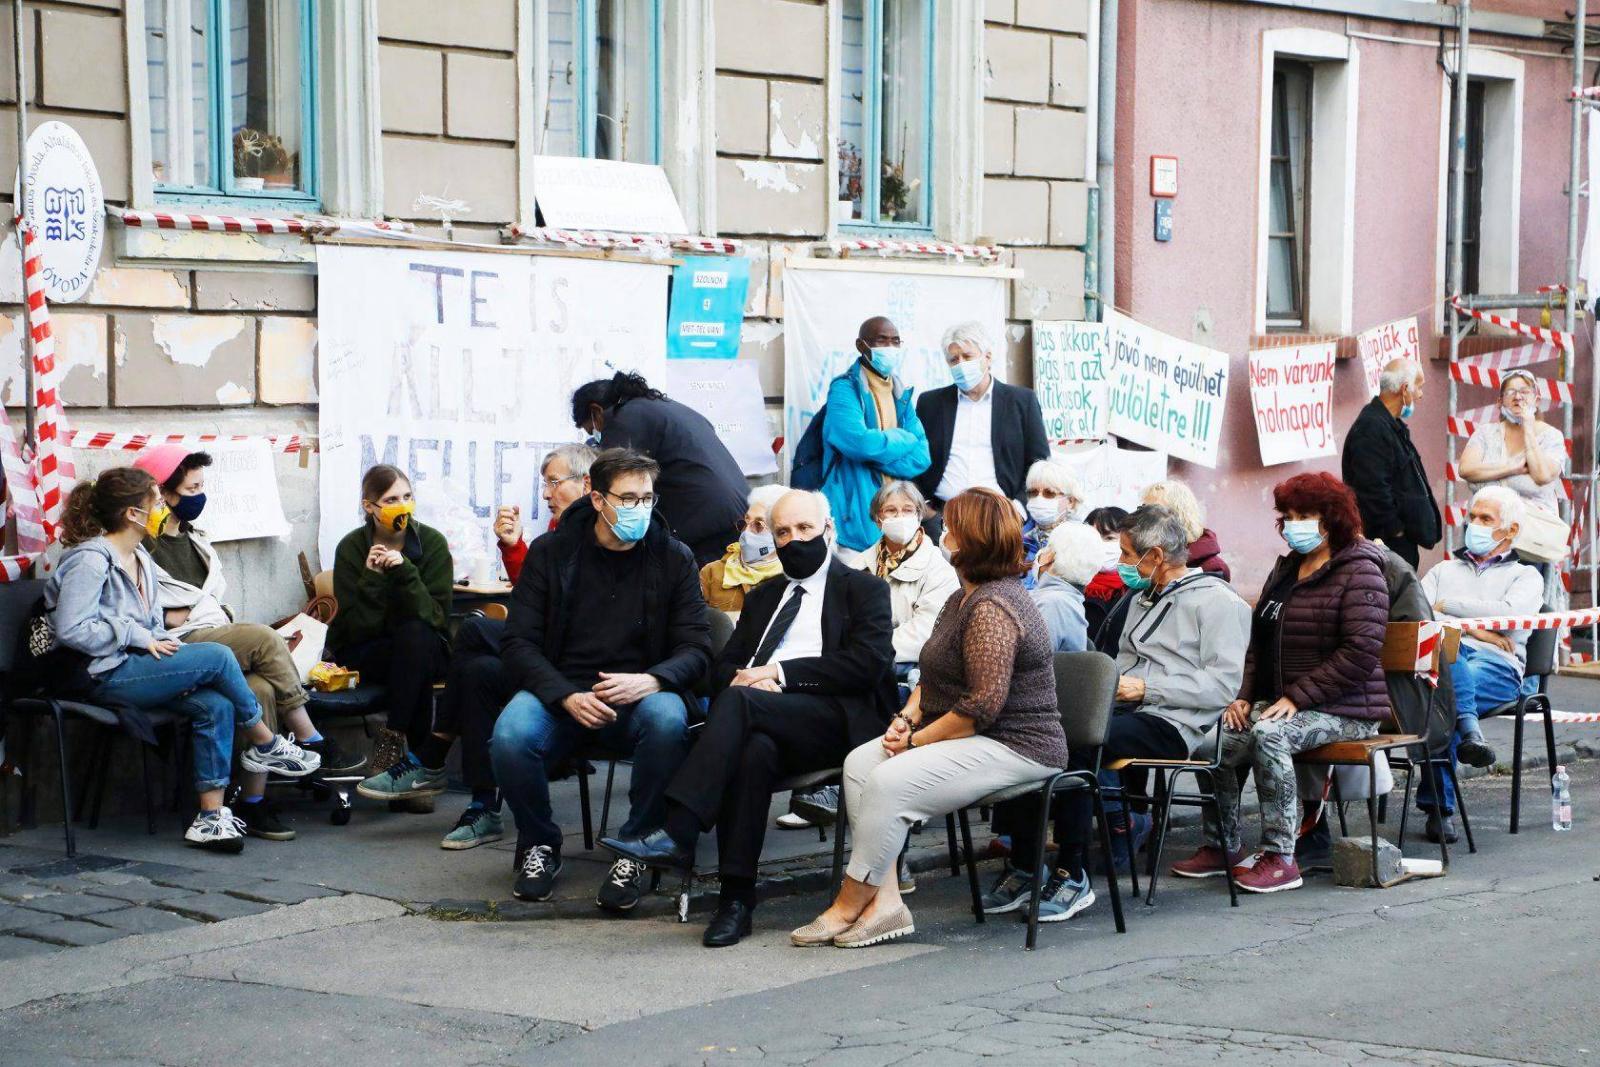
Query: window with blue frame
(233, 99)
(603, 81)
(886, 114)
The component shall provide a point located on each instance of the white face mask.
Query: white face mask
(755, 547)
(1112, 557)
(944, 546)
(900, 528)
(1045, 511)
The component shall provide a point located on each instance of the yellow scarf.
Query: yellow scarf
(735, 571)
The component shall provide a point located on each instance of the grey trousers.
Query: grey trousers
(884, 796)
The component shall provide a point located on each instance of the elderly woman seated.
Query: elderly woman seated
(1076, 554)
(920, 578)
(749, 561)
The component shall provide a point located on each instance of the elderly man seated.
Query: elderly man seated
(1484, 579)
(1181, 661)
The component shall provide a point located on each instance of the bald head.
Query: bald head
(1399, 374)
(877, 332)
(798, 515)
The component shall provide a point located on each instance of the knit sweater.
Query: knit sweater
(990, 660)
(372, 603)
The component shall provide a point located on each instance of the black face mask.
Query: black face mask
(801, 559)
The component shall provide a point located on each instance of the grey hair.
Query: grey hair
(1053, 474)
(821, 500)
(968, 335)
(765, 496)
(892, 489)
(1079, 552)
(1179, 499)
(1154, 526)
(1513, 509)
(578, 458)
(1398, 374)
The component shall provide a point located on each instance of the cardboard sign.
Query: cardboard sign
(1069, 379)
(242, 493)
(1165, 393)
(1384, 344)
(459, 368)
(727, 392)
(1114, 477)
(823, 309)
(66, 209)
(574, 193)
(1291, 394)
(707, 308)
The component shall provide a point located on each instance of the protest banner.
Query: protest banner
(1113, 477)
(242, 492)
(576, 193)
(1291, 394)
(706, 311)
(1069, 379)
(728, 393)
(824, 307)
(1382, 345)
(459, 368)
(1165, 393)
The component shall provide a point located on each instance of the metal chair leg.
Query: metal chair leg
(1372, 815)
(1105, 857)
(102, 778)
(144, 788)
(1216, 809)
(1435, 780)
(1121, 792)
(1338, 802)
(950, 842)
(1516, 767)
(1405, 810)
(61, 755)
(1036, 876)
(1161, 842)
(1549, 735)
(840, 822)
(972, 867)
(605, 804)
(91, 773)
(1461, 805)
(583, 805)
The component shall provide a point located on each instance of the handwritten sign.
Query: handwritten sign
(1114, 477)
(242, 493)
(1384, 344)
(707, 307)
(1165, 393)
(728, 393)
(604, 194)
(1069, 379)
(1291, 393)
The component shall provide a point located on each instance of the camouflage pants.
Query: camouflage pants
(1268, 747)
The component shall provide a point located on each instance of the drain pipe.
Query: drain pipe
(1105, 215)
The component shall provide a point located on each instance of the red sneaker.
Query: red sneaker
(1270, 873)
(1207, 863)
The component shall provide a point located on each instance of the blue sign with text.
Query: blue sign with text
(707, 307)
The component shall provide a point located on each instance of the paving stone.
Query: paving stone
(282, 892)
(144, 920)
(119, 876)
(17, 888)
(69, 932)
(12, 917)
(209, 881)
(73, 905)
(16, 948)
(213, 907)
(13, 856)
(140, 891)
(158, 872)
(60, 868)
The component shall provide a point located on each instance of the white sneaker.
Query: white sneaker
(218, 831)
(284, 758)
(791, 821)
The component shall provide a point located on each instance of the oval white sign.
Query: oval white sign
(65, 208)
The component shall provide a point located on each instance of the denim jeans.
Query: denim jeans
(1483, 681)
(529, 738)
(202, 681)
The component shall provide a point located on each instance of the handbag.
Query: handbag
(1542, 536)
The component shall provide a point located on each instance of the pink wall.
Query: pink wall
(1189, 85)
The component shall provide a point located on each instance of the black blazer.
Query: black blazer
(857, 662)
(1016, 431)
(1383, 468)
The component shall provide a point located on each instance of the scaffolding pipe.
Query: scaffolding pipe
(1106, 157)
(1569, 364)
(22, 199)
(1510, 300)
(1458, 191)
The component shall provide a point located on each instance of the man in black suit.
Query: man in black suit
(980, 431)
(1383, 468)
(806, 677)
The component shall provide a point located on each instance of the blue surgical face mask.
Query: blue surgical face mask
(755, 547)
(1303, 535)
(886, 361)
(967, 374)
(1407, 410)
(1480, 540)
(188, 508)
(593, 440)
(1509, 416)
(1129, 573)
(632, 523)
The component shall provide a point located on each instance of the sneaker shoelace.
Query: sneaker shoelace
(401, 769)
(470, 816)
(535, 862)
(625, 872)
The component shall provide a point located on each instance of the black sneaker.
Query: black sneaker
(820, 807)
(623, 887)
(261, 819)
(1313, 850)
(335, 760)
(536, 873)
(1474, 751)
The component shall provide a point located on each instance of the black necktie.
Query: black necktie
(780, 626)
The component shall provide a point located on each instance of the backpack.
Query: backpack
(810, 468)
(41, 659)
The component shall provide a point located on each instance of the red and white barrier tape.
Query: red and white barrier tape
(1560, 338)
(645, 242)
(1551, 620)
(928, 248)
(1551, 389)
(53, 471)
(173, 220)
(1511, 358)
(136, 442)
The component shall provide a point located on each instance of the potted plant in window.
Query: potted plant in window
(894, 191)
(261, 161)
(849, 181)
(277, 164)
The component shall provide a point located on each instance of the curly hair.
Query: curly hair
(988, 536)
(1321, 494)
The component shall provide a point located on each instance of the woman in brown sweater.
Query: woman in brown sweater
(983, 718)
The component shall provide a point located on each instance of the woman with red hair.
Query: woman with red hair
(1313, 675)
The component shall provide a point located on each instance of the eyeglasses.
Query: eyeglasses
(631, 501)
(1524, 393)
(555, 483)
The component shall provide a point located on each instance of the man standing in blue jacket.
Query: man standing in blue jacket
(871, 433)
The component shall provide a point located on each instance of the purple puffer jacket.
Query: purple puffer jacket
(1331, 637)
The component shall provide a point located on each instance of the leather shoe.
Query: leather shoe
(655, 849)
(728, 926)
(1440, 826)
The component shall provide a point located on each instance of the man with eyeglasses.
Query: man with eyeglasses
(607, 637)
(563, 478)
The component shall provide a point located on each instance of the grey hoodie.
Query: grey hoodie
(97, 610)
(1187, 643)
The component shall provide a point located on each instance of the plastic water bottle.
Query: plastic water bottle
(1560, 800)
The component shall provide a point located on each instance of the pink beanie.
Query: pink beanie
(159, 462)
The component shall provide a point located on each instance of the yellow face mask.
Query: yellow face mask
(155, 519)
(395, 516)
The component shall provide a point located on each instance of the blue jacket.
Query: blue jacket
(96, 609)
(1061, 604)
(857, 455)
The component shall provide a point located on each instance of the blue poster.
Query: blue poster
(707, 308)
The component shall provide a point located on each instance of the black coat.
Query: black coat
(1016, 431)
(679, 636)
(701, 488)
(857, 662)
(1383, 468)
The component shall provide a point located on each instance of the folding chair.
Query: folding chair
(1541, 665)
(1086, 683)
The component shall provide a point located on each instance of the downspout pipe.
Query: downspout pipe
(1105, 176)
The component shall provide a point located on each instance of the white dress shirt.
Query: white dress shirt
(971, 461)
(804, 636)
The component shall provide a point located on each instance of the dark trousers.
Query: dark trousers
(753, 740)
(1133, 735)
(477, 687)
(1406, 550)
(406, 662)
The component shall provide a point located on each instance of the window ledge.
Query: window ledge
(176, 236)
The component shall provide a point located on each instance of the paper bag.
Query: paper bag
(306, 637)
